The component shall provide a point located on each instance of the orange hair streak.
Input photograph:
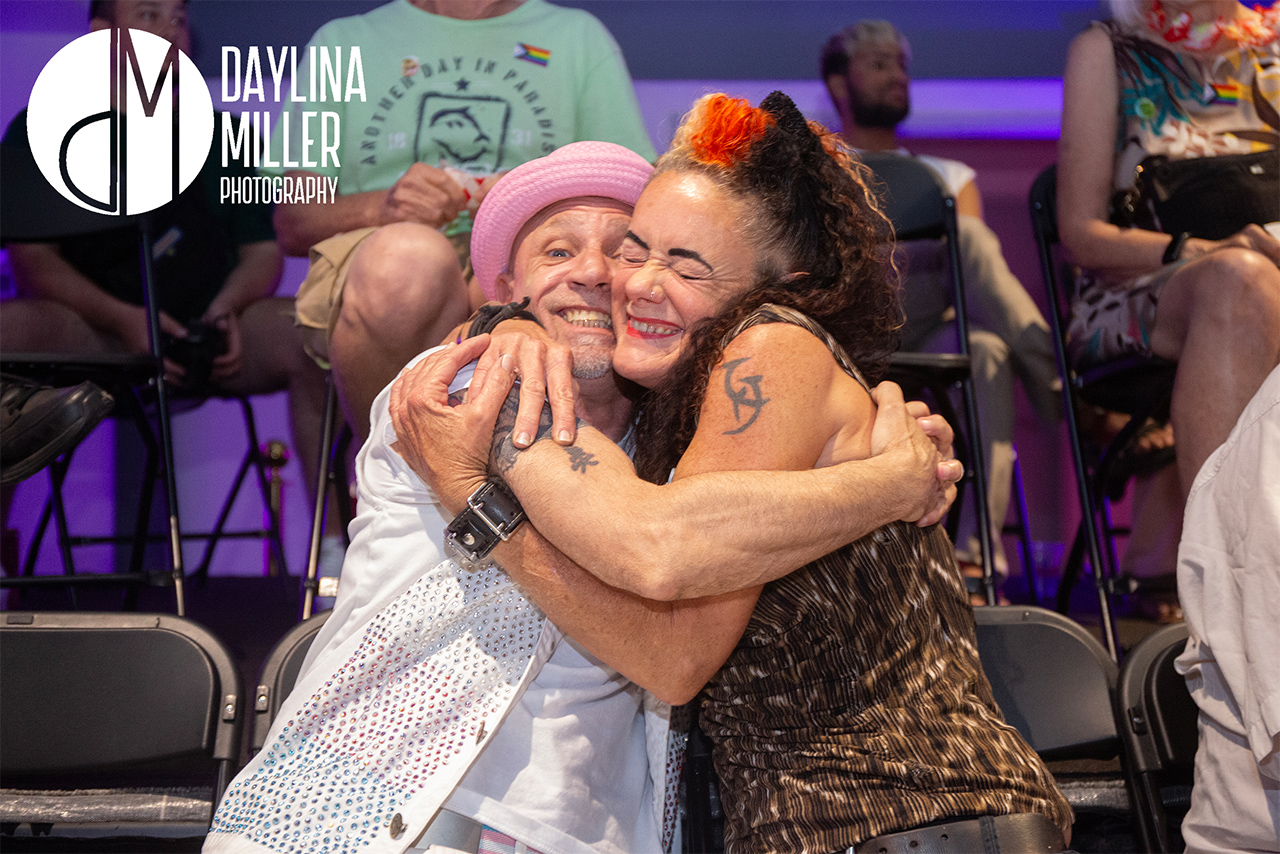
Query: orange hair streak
(726, 130)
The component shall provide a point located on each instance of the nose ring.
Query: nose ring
(652, 292)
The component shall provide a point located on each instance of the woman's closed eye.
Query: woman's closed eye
(630, 253)
(690, 272)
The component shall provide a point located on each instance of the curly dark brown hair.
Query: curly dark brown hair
(821, 235)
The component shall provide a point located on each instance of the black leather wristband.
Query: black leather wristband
(492, 514)
(1176, 245)
(487, 317)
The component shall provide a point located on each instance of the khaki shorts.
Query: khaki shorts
(319, 297)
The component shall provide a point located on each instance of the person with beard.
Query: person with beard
(865, 69)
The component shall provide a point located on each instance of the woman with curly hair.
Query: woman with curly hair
(845, 701)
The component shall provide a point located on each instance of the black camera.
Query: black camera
(195, 353)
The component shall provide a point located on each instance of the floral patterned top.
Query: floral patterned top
(1182, 106)
(1186, 106)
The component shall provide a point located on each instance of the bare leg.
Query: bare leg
(404, 293)
(43, 326)
(1219, 316)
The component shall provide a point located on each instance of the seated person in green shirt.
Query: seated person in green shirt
(456, 93)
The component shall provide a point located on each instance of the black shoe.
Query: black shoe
(38, 423)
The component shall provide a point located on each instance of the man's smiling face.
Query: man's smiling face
(565, 260)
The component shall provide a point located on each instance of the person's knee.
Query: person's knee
(403, 271)
(976, 237)
(1237, 288)
(988, 353)
(43, 326)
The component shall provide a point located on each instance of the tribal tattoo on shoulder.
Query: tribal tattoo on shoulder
(745, 395)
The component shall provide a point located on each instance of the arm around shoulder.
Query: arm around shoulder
(716, 528)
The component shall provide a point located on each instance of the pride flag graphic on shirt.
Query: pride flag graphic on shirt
(1226, 93)
(529, 53)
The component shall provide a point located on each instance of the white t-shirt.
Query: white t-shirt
(567, 770)
(954, 173)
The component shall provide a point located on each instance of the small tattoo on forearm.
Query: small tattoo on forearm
(581, 459)
(748, 395)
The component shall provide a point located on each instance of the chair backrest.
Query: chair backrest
(1131, 384)
(1052, 680)
(913, 198)
(917, 202)
(1043, 200)
(117, 699)
(1160, 733)
(279, 673)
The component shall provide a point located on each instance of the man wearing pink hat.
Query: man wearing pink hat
(438, 706)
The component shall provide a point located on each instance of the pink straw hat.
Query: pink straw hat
(578, 169)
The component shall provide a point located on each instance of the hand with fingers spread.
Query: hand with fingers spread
(544, 367)
(443, 438)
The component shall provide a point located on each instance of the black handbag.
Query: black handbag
(1207, 197)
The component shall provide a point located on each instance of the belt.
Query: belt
(1021, 833)
(450, 831)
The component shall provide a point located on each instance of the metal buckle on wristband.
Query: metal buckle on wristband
(492, 514)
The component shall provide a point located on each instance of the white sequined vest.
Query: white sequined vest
(361, 757)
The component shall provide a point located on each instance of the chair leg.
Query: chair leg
(341, 482)
(981, 508)
(37, 539)
(1090, 537)
(1024, 529)
(1071, 569)
(311, 582)
(274, 540)
(150, 483)
(201, 572)
(253, 459)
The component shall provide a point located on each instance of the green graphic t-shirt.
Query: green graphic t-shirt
(479, 96)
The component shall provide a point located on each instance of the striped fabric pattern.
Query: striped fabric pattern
(854, 705)
(494, 842)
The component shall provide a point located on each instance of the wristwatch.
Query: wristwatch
(492, 514)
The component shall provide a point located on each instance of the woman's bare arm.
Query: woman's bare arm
(1086, 160)
(736, 529)
(673, 648)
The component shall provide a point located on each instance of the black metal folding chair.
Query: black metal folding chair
(118, 725)
(1160, 736)
(1140, 387)
(279, 673)
(1054, 683)
(920, 208)
(30, 210)
(33, 212)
